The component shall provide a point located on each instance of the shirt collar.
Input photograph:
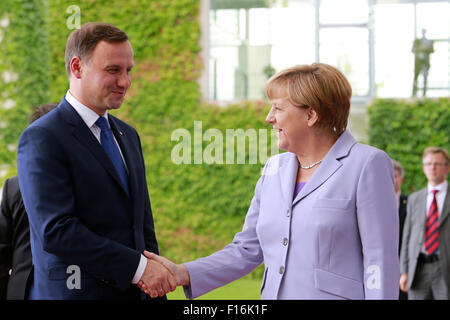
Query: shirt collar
(88, 115)
(440, 187)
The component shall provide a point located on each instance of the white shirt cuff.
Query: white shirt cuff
(140, 270)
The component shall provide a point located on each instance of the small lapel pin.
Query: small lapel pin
(120, 132)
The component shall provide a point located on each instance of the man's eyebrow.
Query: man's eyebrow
(112, 66)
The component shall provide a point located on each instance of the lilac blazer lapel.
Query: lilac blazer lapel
(288, 175)
(329, 165)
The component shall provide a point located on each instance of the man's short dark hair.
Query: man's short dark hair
(40, 111)
(82, 42)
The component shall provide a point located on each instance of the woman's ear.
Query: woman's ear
(312, 117)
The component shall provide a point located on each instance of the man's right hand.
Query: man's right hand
(157, 279)
(179, 271)
(404, 282)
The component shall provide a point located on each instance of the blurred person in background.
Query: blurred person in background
(422, 49)
(402, 199)
(15, 251)
(425, 255)
(324, 218)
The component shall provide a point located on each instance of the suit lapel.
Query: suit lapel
(126, 143)
(421, 211)
(84, 135)
(445, 208)
(329, 165)
(325, 171)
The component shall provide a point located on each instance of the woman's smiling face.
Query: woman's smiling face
(289, 121)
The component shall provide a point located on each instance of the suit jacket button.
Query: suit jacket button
(281, 270)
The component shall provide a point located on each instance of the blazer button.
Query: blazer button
(285, 241)
(281, 270)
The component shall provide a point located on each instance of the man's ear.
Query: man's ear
(312, 117)
(76, 67)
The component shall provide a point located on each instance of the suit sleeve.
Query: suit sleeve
(237, 259)
(378, 224)
(46, 186)
(5, 242)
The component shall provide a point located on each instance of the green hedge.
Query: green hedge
(24, 71)
(404, 128)
(197, 208)
(203, 205)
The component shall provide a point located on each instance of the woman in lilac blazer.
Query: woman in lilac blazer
(324, 216)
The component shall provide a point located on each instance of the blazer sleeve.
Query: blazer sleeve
(377, 214)
(237, 259)
(48, 195)
(5, 241)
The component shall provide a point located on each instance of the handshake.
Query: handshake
(162, 276)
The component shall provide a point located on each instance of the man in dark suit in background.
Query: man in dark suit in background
(82, 178)
(15, 251)
(402, 199)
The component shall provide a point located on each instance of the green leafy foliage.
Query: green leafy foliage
(197, 207)
(404, 128)
(24, 71)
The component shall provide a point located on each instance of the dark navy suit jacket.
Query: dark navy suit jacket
(79, 213)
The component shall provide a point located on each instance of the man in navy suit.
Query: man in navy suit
(82, 177)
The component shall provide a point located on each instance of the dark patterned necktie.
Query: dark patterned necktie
(432, 226)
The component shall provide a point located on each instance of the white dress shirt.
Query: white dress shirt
(440, 196)
(89, 117)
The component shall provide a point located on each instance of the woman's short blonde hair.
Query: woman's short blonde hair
(319, 86)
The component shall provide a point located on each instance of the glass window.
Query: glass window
(292, 35)
(248, 45)
(395, 30)
(348, 50)
(344, 11)
(394, 61)
(434, 18)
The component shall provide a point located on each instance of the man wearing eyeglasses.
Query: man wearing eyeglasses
(425, 254)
